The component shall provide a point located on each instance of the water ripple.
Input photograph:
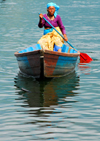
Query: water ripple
(56, 109)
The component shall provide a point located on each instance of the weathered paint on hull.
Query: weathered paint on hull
(44, 63)
(29, 63)
(58, 64)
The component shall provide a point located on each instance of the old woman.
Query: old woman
(51, 40)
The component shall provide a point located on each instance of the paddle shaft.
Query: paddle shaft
(58, 32)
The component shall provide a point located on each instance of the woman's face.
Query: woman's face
(51, 10)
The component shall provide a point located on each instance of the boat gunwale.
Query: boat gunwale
(17, 54)
(62, 53)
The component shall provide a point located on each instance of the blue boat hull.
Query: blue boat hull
(45, 63)
(59, 64)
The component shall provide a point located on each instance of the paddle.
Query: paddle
(84, 58)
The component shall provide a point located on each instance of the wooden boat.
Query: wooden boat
(36, 62)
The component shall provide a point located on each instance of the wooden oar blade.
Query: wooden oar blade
(84, 58)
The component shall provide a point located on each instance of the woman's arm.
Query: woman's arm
(65, 37)
(62, 28)
(41, 21)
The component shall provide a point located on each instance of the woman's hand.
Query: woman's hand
(41, 17)
(65, 37)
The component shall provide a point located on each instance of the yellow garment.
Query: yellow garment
(47, 41)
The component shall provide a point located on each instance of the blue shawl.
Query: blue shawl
(56, 7)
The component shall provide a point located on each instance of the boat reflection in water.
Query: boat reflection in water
(46, 93)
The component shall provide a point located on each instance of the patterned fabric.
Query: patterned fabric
(50, 39)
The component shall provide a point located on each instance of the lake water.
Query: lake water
(61, 109)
